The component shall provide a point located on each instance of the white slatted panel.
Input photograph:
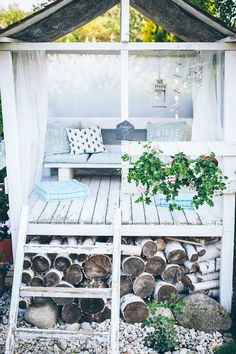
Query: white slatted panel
(36, 210)
(86, 215)
(100, 210)
(48, 212)
(151, 214)
(178, 217)
(165, 216)
(192, 217)
(113, 199)
(126, 208)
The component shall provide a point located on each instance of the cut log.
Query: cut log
(160, 244)
(126, 284)
(126, 249)
(56, 241)
(97, 267)
(37, 281)
(62, 262)
(27, 263)
(144, 285)
(133, 266)
(71, 313)
(92, 306)
(74, 274)
(191, 252)
(133, 308)
(35, 240)
(201, 250)
(53, 277)
(41, 263)
(24, 303)
(212, 251)
(89, 241)
(72, 241)
(86, 317)
(206, 285)
(165, 291)
(198, 277)
(172, 274)
(175, 252)
(104, 315)
(156, 264)
(190, 267)
(193, 241)
(27, 276)
(149, 247)
(217, 264)
(215, 293)
(207, 266)
(63, 300)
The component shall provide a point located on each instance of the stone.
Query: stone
(163, 311)
(205, 314)
(85, 326)
(42, 316)
(62, 344)
(73, 327)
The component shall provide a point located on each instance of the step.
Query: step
(66, 292)
(35, 333)
(62, 249)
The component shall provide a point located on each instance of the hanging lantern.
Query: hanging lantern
(159, 90)
(159, 94)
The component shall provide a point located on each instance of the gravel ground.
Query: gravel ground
(131, 339)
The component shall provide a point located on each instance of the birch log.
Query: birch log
(212, 251)
(41, 263)
(133, 266)
(56, 241)
(175, 252)
(133, 308)
(215, 293)
(97, 267)
(71, 313)
(37, 281)
(27, 276)
(72, 241)
(74, 274)
(126, 284)
(62, 262)
(190, 267)
(27, 263)
(24, 302)
(198, 277)
(160, 244)
(201, 250)
(206, 285)
(191, 252)
(92, 306)
(53, 277)
(103, 315)
(207, 266)
(63, 300)
(149, 247)
(164, 291)
(156, 264)
(144, 285)
(172, 274)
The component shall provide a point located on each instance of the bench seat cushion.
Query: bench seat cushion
(66, 158)
(105, 158)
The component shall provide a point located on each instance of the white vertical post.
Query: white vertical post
(124, 21)
(115, 309)
(7, 90)
(226, 276)
(124, 84)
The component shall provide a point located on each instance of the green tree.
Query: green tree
(11, 14)
(155, 33)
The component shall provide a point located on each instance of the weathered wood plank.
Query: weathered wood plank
(179, 217)
(76, 206)
(151, 214)
(66, 292)
(65, 249)
(48, 212)
(165, 216)
(36, 210)
(100, 210)
(126, 210)
(192, 217)
(137, 209)
(61, 212)
(113, 199)
(86, 215)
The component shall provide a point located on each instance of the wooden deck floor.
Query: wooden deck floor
(105, 197)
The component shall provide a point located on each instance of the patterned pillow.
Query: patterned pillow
(88, 140)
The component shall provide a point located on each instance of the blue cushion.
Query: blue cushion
(175, 131)
(64, 190)
(105, 158)
(56, 137)
(66, 158)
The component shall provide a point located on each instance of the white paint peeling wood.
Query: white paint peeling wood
(100, 210)
(65, 292)
(36, 210)
(61, 212)
(151, 214)
(86, 215)
(137, 211)
(113, 199)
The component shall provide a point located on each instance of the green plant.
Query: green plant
(162, 335)
(229, 348)
(152, 175)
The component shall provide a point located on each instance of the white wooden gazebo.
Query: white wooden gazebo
(26, 37)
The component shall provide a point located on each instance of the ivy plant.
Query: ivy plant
(154, 175)
(162, 335)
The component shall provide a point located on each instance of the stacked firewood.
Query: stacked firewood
(150, 268)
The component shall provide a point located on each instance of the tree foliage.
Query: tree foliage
(11, 14)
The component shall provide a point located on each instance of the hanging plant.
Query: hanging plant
(153, 176)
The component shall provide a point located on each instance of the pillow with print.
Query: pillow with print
(87, 140)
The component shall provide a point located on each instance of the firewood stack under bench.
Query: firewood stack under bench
(151, 268)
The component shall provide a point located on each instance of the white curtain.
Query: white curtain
(31, 103)
(206, 113)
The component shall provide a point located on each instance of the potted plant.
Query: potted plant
(5, 252)
(153, 175)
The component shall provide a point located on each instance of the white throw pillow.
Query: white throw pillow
(88, 140)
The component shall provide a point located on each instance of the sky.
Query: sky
(23, 4)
